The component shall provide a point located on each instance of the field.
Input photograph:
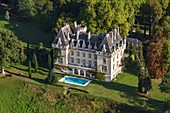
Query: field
(123, 90)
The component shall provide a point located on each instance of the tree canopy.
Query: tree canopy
(10, 48)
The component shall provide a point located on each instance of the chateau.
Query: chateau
(82, 52)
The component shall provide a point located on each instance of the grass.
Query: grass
(123, 90)
(31, 31)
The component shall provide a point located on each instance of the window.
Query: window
(95, 64)
(72, 60)
(84, 62)
(95, 57)
(78, 61)
(60, 60)
(117, 56)
(89, 63)
(72, 53)
(104, 60)
(113, 59)
(89, 55)
(83, 54)
(104, 68)
(113, 66)
(117, 63)
(78, 53)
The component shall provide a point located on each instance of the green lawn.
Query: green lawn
(124, 89)
(31, 31)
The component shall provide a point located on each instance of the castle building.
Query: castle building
(83, 51)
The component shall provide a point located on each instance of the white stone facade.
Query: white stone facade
(81, 51)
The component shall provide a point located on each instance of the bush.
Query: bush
(51, 78)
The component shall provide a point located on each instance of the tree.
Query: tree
(51, 78)
(28, 50)
(9, 44)
(155, 53)
(29, 69)
(7, 17)
(143, 76)
(26, 8)
(35, 62)
(49, 62)
(165, 85)
(3, 57)
(102, 16)
(166, 55)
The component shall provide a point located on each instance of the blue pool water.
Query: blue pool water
(75, 80)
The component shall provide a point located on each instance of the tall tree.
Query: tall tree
(35, 62)
(29, 69)
(143, 76)
(28, 50)
(155, 53)
(49, 62)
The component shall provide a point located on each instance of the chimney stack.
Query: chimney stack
(68, 36)
(114, 36)
(117, 30)
(77, 36)
(104, 48)
(75, 24)
(89, 35)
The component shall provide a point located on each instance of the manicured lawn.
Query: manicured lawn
(31, 31)
(124, 89)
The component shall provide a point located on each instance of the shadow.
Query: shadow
(35, 79)
(42, 81)
(19, 68)
(31, 31)
(132, 95)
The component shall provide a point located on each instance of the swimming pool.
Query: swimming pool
(75, 80)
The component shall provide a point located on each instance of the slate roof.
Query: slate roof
(97, 40)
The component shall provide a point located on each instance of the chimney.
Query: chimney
(68, 36)
(89, 35)
(83, 45)
(117, 30)
(114, 36)
(124, 40)
(95, 47)
(89, 46)
(78, 44)
(104, 48)
(77, 36)
(75, 24)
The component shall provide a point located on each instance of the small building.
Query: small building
(83, 51)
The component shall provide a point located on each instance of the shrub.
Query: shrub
(51, 78)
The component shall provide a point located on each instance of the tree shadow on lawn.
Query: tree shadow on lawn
(30, 31)
(131, 94)
(40, 70)
(42, 81)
